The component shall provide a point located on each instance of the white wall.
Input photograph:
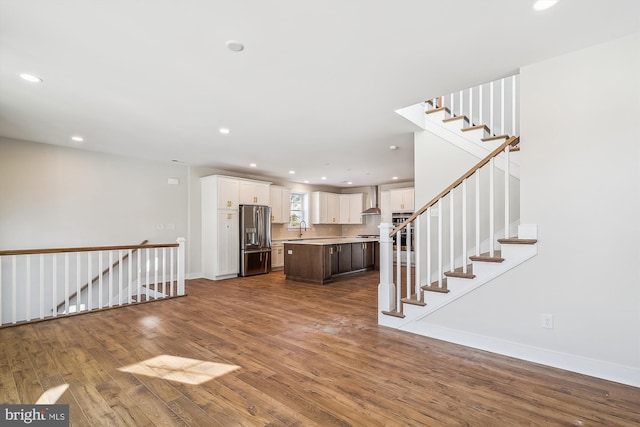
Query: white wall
(52, 196)
(580, 183)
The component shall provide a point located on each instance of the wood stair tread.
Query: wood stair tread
(485, 257)
(435, 288)
(516, 241)
(454, 118)
(438, 109)
(476, 127)
(394, 314)
(495, 138)
(413, 301)
(460, 274)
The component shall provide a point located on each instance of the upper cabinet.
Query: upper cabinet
(254, 193)
(228, 193)
(402, 200)
(280, 204)
(331, 208)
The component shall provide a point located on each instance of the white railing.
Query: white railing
(45, 283)
(494, 104)
(443, 234)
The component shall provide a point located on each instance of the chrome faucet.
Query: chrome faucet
(305, 228)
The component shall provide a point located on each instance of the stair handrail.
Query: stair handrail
(97, 276)
(512, 141)
(85, 249)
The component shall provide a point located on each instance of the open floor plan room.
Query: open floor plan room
(265, 351)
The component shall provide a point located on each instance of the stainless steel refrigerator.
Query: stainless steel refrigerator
(255, 239)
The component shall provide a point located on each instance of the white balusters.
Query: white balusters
(480, 108)
(89, 281)
(440, 260)
(66, 283)
(491, 123)
(78, 279)
(100, 269)
(54, 274)
(130, 275)
(14, 289)
(417, 264)
(41, 287)
(28, 288)
(464, 226)
(491, 208)
(513, 105)
(477, 181)
(507, 190)
(398, 271)
(452, 257)
(110, 278)
(502, 118)
(171, 276)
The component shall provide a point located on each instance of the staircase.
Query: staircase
(468, 234)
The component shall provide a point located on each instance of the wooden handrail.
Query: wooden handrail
(105, 271)
(86, 249)
(514, 140)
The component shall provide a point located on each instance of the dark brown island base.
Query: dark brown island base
(321, 260)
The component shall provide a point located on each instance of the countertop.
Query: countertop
(330, 240)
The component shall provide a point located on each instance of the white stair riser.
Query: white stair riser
(511, 251)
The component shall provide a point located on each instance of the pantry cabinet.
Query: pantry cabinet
(220, 197)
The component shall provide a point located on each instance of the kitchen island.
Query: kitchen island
(321, 260)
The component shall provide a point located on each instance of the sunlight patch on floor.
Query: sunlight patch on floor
(52, 395)
(180, 369)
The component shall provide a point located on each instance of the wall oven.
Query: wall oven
(397, 219)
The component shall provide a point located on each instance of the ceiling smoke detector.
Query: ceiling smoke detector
(235, 46)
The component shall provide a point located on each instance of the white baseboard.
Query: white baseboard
(582, 365)
(198, 275)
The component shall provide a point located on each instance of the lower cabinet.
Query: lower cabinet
(319, 263)
(277, 256)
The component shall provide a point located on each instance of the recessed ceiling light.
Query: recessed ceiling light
(235, 46)
(292, 172)
(224, 131)
(544, 4)
(253, 165)
(324, 178)
(77, 138)
(395, 177)
(30, 78)
(306, 181)
(393, 147)
(349, 182)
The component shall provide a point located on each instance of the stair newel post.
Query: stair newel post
(408, 254)
(181, 264)
(386, 289)
(507, 190)
(491, 208)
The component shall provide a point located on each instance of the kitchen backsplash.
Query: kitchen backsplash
(370, 226)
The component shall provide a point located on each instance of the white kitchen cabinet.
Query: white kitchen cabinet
(280, 204)
(326, 208)
(254, 193)
(350, 208)
(220, 197)
(228, 243)
(355, 208)
(402, 200)
(277, 256)
(228, 193)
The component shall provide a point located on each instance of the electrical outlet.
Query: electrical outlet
(546, 321)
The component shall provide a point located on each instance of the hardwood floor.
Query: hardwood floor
(302, 354)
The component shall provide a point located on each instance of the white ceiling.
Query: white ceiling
(314, 90)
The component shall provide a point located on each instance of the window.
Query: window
(298, 210)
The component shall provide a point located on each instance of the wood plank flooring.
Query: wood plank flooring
(306, 355)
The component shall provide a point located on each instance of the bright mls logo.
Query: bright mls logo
(35, 415)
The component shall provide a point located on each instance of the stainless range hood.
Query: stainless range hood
(374, 209)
